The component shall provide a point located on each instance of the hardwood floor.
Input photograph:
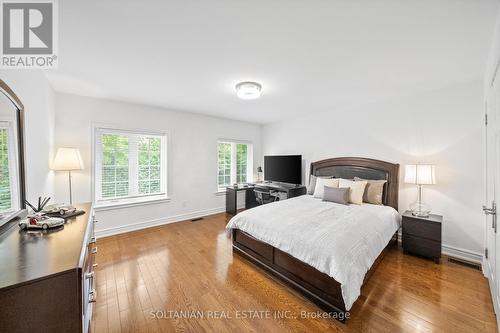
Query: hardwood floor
(177, 269)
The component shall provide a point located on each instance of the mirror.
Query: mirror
(12, 189)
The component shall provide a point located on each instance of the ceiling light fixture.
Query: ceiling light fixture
(248, 90)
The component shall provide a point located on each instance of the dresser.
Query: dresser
(422, 235)
(47, 277)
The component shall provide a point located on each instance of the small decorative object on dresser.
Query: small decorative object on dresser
(58, 209)
(40, 221)
(420, 174)
(41, 204)
(422, 235)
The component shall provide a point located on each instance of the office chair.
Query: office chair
(265, 196)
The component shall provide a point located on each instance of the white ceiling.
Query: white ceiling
(310, 56)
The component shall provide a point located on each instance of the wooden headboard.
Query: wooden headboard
(367, 168)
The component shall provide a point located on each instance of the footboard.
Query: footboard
(315, 285)
(318, 287)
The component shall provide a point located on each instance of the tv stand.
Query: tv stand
(290, 190)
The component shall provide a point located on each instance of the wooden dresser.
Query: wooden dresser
(47, 277)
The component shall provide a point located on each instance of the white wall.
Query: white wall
(192, 157)
(442, 127)
(38, 97)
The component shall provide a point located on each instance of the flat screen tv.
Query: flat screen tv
(283, 169)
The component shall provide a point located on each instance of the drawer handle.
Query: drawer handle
(94, 250)
(92, 296)
(89, 275)
(94, 265)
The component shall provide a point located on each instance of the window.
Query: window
(234, 162)
(8, 184)
(129, 164)
(115, 177)
(149, 165)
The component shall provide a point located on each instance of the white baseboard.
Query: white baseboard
(457, 252)
(485, 267)
(156, 222)
(491, 282)
(463, 254)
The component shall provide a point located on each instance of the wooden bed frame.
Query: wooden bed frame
(319, 287)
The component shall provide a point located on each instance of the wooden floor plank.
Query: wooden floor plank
(145, 278)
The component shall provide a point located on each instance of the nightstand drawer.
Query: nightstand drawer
(421, 228)
(421, 246)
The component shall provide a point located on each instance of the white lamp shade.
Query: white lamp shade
(67, 159)
(421, 174)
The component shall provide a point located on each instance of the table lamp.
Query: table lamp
(420, 174)
(259, 174)
(68, 159)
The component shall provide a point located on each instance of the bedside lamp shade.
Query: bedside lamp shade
(420, 174)
(67, 159)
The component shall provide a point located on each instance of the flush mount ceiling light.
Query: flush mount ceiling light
(248, 90)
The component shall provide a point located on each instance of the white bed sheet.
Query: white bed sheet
(338, 240)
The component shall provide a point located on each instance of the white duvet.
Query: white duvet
(338, 240)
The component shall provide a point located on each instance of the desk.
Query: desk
(232, 198)
(250, 201)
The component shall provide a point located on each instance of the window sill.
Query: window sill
(125, 203)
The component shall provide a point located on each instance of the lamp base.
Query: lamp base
(420, 209)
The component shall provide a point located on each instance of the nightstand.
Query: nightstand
(422, 235)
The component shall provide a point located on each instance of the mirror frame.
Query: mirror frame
(7, 91)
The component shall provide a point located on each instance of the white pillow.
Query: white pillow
(312, 183)
(357, 189)
(319, 190)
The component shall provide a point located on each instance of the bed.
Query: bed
(324, 250)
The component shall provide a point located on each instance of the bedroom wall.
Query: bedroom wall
(38, 98)
(443, 127)
(192, 155)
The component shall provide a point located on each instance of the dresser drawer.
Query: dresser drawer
(428, 230)
(88, 291)
(421, 246)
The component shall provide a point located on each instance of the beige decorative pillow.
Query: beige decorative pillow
(373, 191)
(357, 190)
(319, 190)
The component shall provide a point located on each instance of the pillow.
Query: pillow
(312, 183)
(319, 189)
(337, 195)
(373, 191)
(357, 189)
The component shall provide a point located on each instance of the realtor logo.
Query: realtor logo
(28, 34)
